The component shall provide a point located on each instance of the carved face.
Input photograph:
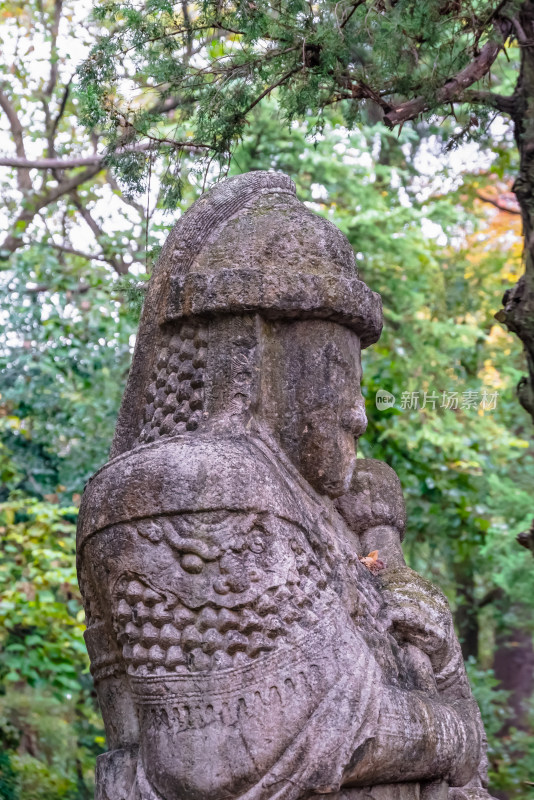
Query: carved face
(320, 411)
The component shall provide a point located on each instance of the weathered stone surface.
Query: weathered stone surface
(239, 646)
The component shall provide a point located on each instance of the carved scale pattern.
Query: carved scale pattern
(175, 396)
(160, 635)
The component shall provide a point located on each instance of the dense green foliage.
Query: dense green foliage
(440, 259)
(466, 473)
(214, 63)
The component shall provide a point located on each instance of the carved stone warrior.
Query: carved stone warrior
(239, 647)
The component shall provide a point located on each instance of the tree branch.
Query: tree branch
(129, 201)
(490, 597)
(526, 538)
(454, 87)
(495, 201)
(48, 91)
(361, 90)
(504, 103)
(43, 287)
(351, 12)
(72, 251)
(50, 163)
(54, 61)
(34, 204)
(118, 263)
(61, 109)
(98, 160)
(67, 186)
(23, 177)
(269, 89)
(86, 215)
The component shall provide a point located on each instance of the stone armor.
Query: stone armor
(239, 645)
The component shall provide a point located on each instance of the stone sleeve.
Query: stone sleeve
(419, 738)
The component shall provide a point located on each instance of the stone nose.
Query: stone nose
(355, 420)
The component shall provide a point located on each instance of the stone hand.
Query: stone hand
(419, 615)
(418, 612)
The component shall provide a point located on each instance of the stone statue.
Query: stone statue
(240, 646)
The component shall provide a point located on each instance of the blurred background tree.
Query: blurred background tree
(435, 229)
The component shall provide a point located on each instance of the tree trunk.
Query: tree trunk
(466, 614)
(518, 311)
(514, 668)
(513, 665)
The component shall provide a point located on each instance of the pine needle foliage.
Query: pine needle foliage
(212, 63)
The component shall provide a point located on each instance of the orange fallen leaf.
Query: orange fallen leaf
(372, 562)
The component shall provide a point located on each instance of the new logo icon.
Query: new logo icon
(384, 400)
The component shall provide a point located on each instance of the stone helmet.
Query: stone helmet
(248, 246)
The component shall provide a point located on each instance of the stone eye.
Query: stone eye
(257, 545)
(192, 563)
